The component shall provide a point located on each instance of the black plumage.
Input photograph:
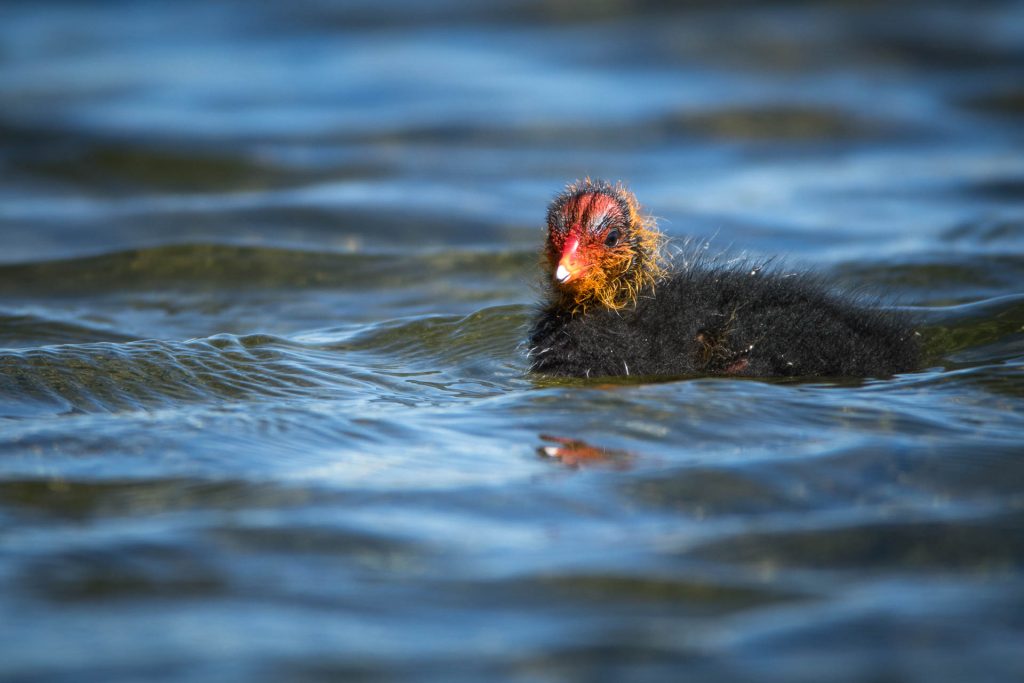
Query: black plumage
(704, 318)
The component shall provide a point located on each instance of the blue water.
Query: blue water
(265, 278)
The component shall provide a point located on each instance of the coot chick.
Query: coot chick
(615, 307)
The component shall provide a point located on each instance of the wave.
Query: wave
(31, 330)
(424, 359)
(211, 265)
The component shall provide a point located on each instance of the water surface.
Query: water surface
(265, 279)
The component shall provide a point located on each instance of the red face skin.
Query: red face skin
(578, 237)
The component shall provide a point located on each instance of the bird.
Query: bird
(616, 304)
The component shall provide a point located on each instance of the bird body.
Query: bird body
(701, 318)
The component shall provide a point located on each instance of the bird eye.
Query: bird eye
(612, 239)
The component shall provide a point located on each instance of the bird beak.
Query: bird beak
(568, 267)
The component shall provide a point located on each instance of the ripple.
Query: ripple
(451, 339)
(38, 500)
(194, 266)
(982, 332)
(942, 279)
(112, 166)
(125, 571)
(108, 377)
(994, 230)
(1004, 102)
(449, 356)
(28, 330)
(986, 545)
(781, 123)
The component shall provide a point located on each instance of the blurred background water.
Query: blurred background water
(265, 275)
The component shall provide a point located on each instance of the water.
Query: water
(265, 279)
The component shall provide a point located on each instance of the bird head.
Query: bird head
(600, 250)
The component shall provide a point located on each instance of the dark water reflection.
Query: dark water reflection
(265, 278)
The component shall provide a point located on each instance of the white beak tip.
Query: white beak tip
(562, 274)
